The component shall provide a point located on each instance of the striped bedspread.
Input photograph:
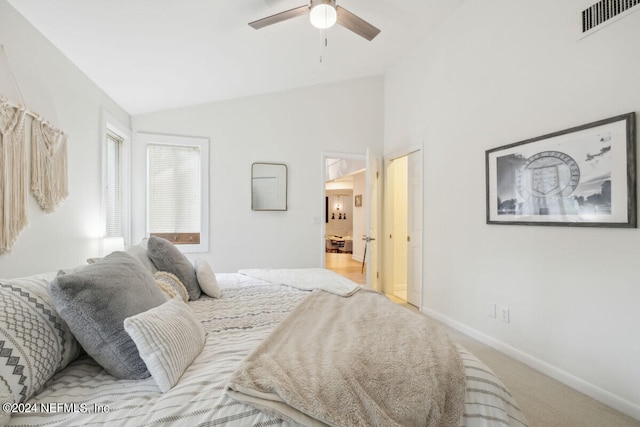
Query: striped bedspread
(83, 394)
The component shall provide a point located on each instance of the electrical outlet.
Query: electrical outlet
(504, 314)
(492, 310)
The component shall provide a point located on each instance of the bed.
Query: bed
(236, 324)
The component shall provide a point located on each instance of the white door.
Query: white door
(372, 255)
(414, 227)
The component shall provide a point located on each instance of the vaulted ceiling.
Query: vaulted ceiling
(151, 55)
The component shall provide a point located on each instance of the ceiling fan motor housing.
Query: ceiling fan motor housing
(323, 13)
(315, 3)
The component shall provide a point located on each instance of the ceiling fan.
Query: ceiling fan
(323, 14)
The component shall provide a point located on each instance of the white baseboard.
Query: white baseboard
(554, 372)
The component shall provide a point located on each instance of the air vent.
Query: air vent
(604, 11)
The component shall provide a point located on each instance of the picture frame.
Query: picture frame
(357, 201)
(584, 176)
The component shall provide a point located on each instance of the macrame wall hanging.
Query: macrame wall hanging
(48, 165)
(13, 175)
(49, 182)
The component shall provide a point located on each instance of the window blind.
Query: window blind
(113, 188)
(173, 189)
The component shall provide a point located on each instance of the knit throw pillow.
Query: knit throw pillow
(169, 338)
(35, 342)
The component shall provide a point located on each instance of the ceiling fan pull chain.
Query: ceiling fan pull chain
(323, 37)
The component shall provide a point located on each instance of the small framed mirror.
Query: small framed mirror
(268, 187)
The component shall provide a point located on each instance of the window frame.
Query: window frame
(111, 125)
(188, 141)
(117, 173)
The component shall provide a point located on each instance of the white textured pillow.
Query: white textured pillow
(207, 278)
(169, 338)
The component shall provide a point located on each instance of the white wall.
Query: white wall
(53, 87)
(337, 226)
(293, 127)
(499, 72)
(359, 216)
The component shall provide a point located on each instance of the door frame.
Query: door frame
(388, 247)
(323, 175)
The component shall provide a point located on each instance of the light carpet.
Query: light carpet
(544, 401)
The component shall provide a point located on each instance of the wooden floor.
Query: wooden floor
(346, 266)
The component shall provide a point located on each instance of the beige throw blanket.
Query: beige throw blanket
(357, 361)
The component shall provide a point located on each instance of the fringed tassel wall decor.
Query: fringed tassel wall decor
(13, 175)
(49, 183)
(48, 165)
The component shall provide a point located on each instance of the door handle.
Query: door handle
(368, 239)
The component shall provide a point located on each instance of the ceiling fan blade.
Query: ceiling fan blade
(279, 17)
(356, 24)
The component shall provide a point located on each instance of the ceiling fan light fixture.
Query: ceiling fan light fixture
(323, 14)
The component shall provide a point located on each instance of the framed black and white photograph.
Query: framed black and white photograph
(583, 176)
(358, 200)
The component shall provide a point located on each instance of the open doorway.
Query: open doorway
(345, 216)
(403, 221)
(397, 176)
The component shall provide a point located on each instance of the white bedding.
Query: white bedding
(85, 395)
(306, 279)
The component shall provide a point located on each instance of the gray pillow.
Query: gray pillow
(167, 257)
(95, 301)
(139, 252)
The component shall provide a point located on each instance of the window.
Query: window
(177, 190)
(115, 184)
